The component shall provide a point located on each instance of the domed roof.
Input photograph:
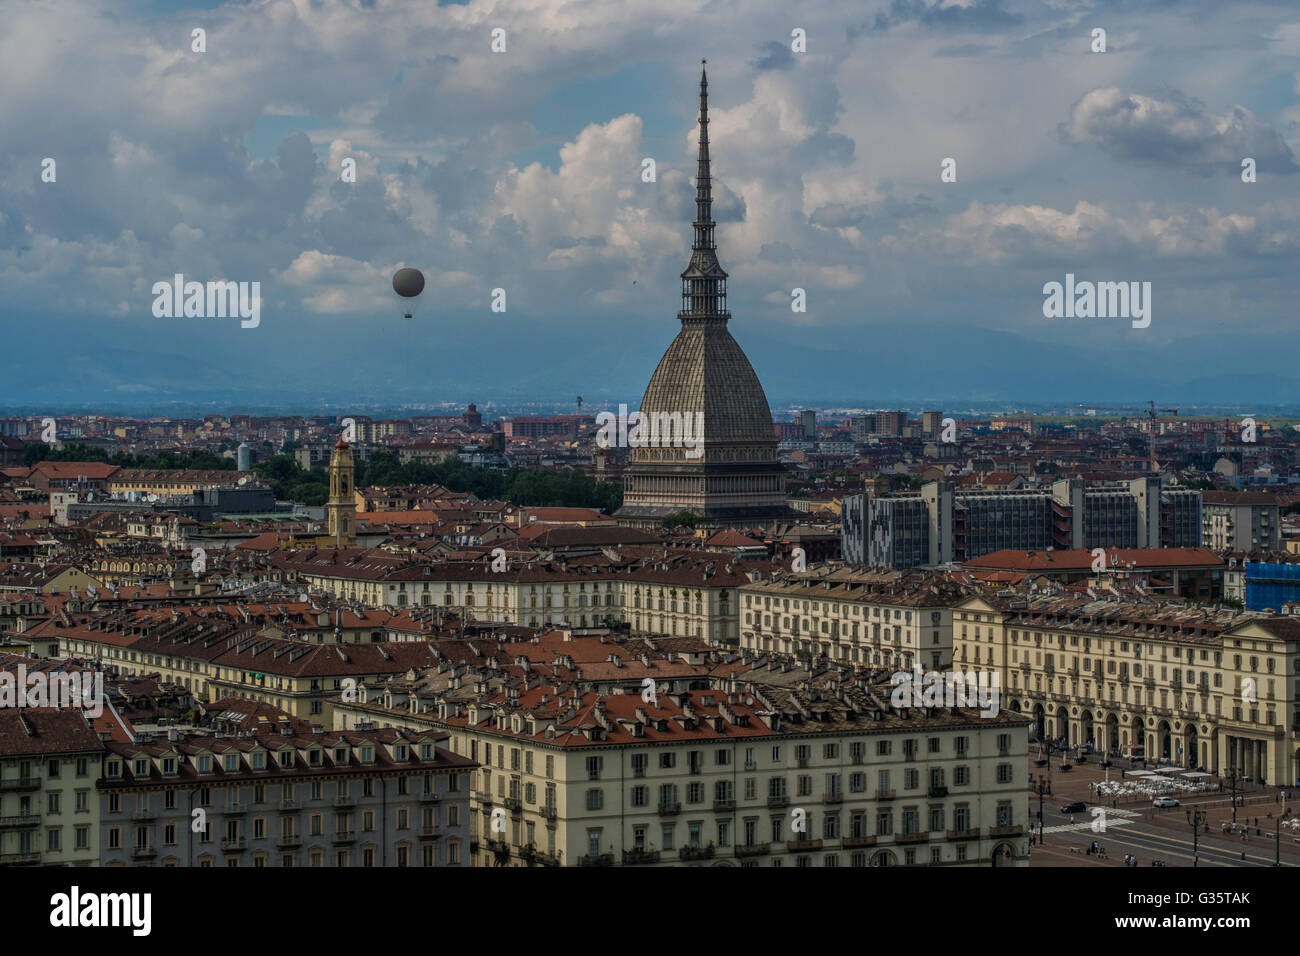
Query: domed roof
(705, 370)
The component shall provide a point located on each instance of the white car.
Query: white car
(1165, 802)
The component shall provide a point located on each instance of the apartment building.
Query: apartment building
(884, 620)
(1241, 521)
(49, 762)
(218, 655)
(360, 798)
(691, 594)
(760, 770)
(1197, 685)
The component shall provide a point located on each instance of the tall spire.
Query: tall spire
(704, 283)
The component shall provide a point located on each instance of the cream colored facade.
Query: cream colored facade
(49, 810)
(589, 600)
(1220, 693)
(846, 624)
(950, 796)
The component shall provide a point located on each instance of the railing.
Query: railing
(16, 859)
(778, 800)
(797, 845)
(548, 810)
(937, 792)
(288, 804)
(972, 833)
(513, 804)
(669, 809)
(344, 836)
(833, 798)
(886, 795)
(21, 820)
(234, 808)
(1016, 830)
(753, 849)
(919, 837)
(430, 831)
(696, 853)
(724, 806)
(143, 852)
(604, 859)
(234, 844)
(344, 800)
(20, 783)
(637, 857)
(851, 842)
(288, 840)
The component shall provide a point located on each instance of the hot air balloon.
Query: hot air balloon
(408, 283)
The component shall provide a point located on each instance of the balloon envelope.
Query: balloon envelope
(408, 283)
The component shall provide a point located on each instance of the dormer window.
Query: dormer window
(141, 767)
(259, 760)
(231, 762)
(115, 768)
(313, 757)
(169, 766)
(205, 763)
(426, 751)
(286, 758)
(399, 752)
(367, 754)
(341, 755)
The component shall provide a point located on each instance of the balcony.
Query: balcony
(19, 859)
(288, 840)
(639, 857)
(143, 852)
(1017, 830)
(669, 809)
(604, 859)
(802, 763)
(689, 853)
(513, 804)
(535, 857)
(143, 813)
(970, 834)
(20, 783)
(833, 798)
(548, 811)
(1149, 681)
(235, 809)
(429, 831)
(777, 801)
(724, 806)
(344, 800)
(938, 792)
(1073, 671)
(234, 844)
(344, 836)
(288, 805)
(850, 843)
(430, 797)
(886, 795)
(912, 837)
(20, 820)
(753, 849)
(799, 846)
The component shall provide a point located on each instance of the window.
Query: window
(595, 798)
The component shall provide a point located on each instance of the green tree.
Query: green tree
(678, 519)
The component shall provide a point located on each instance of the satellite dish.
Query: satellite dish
(408, 283)
(244, 480)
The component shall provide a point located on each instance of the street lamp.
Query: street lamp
(1042, 787)
(1195, 818)
(1232, 778)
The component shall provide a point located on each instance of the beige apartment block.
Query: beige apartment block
(870, 619)
(1193, 685)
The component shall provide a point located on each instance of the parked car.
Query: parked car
(1165, 802)
(1076, 807)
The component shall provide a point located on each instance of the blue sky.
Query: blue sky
(521, 170)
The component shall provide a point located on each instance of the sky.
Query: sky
(522, 171)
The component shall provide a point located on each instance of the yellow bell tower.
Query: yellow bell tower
(342, 506)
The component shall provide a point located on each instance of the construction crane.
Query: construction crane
(1151, 412)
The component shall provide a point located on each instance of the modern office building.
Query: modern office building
(940, 525)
